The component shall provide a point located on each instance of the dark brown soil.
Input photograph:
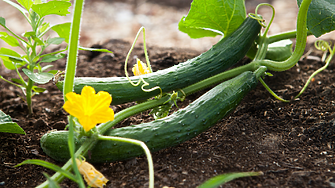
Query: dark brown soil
(291, 143)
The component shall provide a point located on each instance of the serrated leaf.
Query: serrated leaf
(320, 16)
(224, 178)
(63, 30)
(8, 126)
(51, 58)
(40, 78)
(94, 49)
(52, 7)
(213, 17)
(12, 41)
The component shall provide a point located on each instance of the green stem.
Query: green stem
(285, 35)
(145, 148)
(72, 146)
(29, 92)
(300, 43)
(73, 48)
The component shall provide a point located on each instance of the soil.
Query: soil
(291, 143)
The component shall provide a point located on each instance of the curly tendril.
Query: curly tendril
(147, 62)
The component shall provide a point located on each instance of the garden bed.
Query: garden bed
(291, 143)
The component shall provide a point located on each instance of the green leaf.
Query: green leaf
(224, 178)
(8, 126)
(40, 78)
(50, 166)
(63, 30)
(32, 34)
(38, 89)
(53, 72)
(2, 22)
(46, 67)
(50, 58)
(320, 16)
(9, 56)
(44, 27)
(55, 40)
(213, 17)
(12, 41)
(26, 3)
(52, 7)
(94, 49)
(19, 81)
(279, 51)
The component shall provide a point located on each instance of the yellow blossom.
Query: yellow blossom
(89, 108)
(93, 177)
(140, 68)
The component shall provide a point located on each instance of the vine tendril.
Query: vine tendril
(147, 62)
(325, 47)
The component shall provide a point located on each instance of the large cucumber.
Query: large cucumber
(219, 58)
(182, 125)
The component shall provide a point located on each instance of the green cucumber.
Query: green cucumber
(219, 58)
(181, 126)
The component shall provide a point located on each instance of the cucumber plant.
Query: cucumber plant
(192, 120)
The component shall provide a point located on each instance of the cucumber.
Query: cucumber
(181, 126)
(219, 58)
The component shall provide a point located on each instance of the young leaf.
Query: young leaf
(32, 34)
(8, 126)
(51, 58)
(40, 78)
(320, 16)
(19, 81)
(55, 40)
(38, 89)
(63, 30)
(224, 178)
(46, 67)
(12, 41)
(52, 7)
(213, 17)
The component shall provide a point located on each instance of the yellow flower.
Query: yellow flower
(93, 177)
(140, 68)
(89, 108)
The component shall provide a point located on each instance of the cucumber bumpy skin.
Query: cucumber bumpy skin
(227, 52)
(181, 126)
